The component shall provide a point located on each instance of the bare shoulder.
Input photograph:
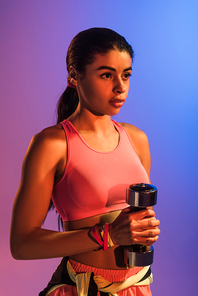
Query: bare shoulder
(140, 143)
(53, 133)
(47, 151)
(49, 139)
(136, 135)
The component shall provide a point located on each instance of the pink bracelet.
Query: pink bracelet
(106, 231)
(97, 238)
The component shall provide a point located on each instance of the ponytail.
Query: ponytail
(67, 103)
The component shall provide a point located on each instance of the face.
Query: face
(104, 86)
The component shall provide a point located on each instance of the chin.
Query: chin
(115, 112)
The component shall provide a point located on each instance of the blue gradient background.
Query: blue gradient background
(162, 101)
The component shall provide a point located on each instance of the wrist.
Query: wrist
(101, 235)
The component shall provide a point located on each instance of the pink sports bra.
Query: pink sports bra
(95, 182)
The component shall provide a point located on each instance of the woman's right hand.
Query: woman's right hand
(135, 228)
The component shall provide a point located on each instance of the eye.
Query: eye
(107, 75)
(126, 75)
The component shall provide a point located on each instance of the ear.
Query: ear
(73, 76)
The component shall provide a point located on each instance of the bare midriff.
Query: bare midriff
(113, 258)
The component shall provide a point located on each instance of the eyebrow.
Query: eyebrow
(112, 69)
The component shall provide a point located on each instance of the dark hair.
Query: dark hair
(81, 52)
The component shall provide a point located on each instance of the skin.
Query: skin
(102, 91)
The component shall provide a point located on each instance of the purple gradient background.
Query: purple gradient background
(162, 101)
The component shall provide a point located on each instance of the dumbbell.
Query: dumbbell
(139, 197)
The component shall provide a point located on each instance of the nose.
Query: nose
(119, 86)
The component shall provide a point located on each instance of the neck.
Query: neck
(84, 120)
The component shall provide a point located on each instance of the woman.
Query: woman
(85, 163)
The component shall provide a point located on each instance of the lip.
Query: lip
(117, 103)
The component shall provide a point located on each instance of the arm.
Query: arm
(142, 226)
(44, 162)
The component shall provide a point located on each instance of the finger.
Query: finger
(147, 241)
(143, 214)
(152, 222)
(146, 233)
(144, 224)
